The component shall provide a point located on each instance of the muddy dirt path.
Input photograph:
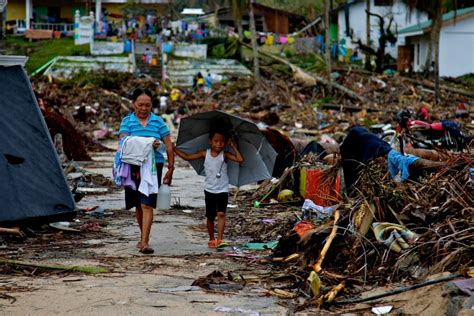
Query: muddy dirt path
(137, 284)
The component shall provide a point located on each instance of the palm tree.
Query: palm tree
(368, 66)
(327, 52)
(254, 42)
(435, 10)
(238, 9)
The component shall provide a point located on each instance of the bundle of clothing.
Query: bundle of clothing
(136, 151)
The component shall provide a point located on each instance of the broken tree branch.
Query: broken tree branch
(312, 79)
(317, 265)
(121, 99)
(398, 290)
(11, 231)
(432, 85)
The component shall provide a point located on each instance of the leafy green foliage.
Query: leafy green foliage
(223, 47)
(319, 103)
(40, 52)
(310, 62)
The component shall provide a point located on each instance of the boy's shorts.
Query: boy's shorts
(215, 202)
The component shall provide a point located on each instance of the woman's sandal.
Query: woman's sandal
(147, 250)
(211, 244)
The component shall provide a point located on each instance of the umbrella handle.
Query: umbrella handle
(260, 147)
(218, 175)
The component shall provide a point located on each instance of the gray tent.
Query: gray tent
(32, 184)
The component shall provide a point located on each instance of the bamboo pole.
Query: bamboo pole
(332, 235)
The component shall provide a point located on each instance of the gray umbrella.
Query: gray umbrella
(259, 155)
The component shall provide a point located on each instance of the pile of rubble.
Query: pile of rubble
(384, 232)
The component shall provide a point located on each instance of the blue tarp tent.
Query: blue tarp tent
(32, 184)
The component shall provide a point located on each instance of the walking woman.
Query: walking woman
(144, 123)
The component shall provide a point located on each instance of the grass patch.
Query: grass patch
(40, 52)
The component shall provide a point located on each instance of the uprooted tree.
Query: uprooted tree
(386, 36)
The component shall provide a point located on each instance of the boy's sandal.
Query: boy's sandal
(211, 244)
(222, 244)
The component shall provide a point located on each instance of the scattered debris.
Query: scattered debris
(91, 270)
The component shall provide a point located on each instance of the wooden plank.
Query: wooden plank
(39, 34)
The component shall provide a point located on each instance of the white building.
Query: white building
(352, 21)
(456, 44)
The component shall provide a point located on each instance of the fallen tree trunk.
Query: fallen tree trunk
(353, 108)
(312, 79)
(424, 83)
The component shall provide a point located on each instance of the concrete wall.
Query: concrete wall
(456, 52)
(357, 22)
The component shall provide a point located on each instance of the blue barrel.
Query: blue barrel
(127, 46)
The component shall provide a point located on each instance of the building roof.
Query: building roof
(424, 27)
(8, 60)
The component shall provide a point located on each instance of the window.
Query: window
(381, 3)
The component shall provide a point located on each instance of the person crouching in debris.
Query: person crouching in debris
(216, 191)
(198, 82)
(141, 134)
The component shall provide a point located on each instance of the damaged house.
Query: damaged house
(352, 22)
(267, 19)
(456, 44)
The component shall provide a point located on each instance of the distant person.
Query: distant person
(175, 95)
(216, 190)
(198, 82)
(208, 82)
(148, 56)
(142, 122)
(158, 42)
(163, 103)
(169, 117)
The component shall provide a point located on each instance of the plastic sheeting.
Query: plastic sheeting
(32, 183)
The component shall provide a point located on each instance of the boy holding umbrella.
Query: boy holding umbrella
(216, 189)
